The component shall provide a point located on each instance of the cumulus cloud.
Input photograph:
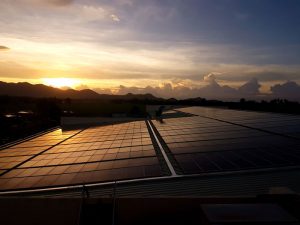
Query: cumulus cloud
(250, 88)
(210, 78)
(115, 18)
(105, 91)
(169, 90)
(213, 90)
(216, 91)
(290, 90)
(98, 90)
(3, 48)
(82, 87)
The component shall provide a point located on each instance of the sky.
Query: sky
(171, 48)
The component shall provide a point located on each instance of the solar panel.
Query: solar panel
(98, 154)
(271, 122)
(202, 145)
(216, 140)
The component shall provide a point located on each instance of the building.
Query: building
(192, 152)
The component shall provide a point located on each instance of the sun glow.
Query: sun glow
(61, 82)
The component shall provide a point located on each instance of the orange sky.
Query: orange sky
(105, 44)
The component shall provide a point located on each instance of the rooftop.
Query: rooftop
(192, 151)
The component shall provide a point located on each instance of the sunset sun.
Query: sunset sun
(61, 82)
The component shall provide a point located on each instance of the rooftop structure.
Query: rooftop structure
(193, 151)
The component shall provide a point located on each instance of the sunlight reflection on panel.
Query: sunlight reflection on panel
(96, 154)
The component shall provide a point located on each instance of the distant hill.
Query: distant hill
(24, 89)
(130, 96)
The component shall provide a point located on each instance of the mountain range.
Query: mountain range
(24, 89)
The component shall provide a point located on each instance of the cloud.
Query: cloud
(243, 72)
(105, 91)
(290, 90)
(61, 2)
(209, 77)
(216, 91)
(82, 87)
(55, 2)
(91, 13)
(10, 69)
(250, 88)
(213, 90)
(126, 2)
(4, 48)
(150, 44)
(115, 18)
(169, 90)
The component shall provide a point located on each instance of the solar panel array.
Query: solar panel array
(202, 145)
(284, 124)
(106, 153)
(215, 140)
(12, 156)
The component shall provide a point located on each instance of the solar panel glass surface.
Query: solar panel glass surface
(98, 154)
(218, 140)
(273, 122)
